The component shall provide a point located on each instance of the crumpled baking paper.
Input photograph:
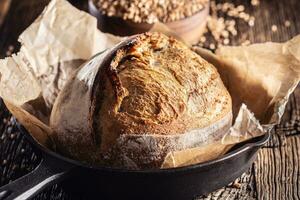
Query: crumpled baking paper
(259, 77)
(53, 47)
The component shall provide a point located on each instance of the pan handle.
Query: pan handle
(49, 172)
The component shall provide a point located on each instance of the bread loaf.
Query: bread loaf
(145, 98)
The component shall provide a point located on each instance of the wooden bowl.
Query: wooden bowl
(190, 29)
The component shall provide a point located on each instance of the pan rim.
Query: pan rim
(45, 151)
(248, 145)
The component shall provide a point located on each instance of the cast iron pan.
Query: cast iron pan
(104, 183)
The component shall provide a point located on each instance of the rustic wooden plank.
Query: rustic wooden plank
(262, 182)
(242, 188)
(267, 14)
(277, 171)
(17, 156)
(14, 163)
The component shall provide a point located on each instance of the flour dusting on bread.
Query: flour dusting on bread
(152, 95)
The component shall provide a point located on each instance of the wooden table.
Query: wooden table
(276, 173)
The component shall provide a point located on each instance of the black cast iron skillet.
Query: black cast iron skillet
(104, 183)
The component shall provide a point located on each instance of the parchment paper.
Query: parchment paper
(53, 47)
(259, 77)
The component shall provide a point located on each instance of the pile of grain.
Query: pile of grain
(150, 11)
(221, 24)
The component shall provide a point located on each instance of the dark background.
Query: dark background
(276, 172)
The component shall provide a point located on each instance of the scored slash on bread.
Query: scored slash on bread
(151, 95)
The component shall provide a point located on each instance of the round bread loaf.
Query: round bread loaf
(147, 97)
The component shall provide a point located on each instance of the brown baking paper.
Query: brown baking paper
(259, 77)
(53, 47)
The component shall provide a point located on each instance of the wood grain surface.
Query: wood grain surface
(275, 175)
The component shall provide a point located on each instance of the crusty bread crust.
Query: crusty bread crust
(156, 85)
(149, 85)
